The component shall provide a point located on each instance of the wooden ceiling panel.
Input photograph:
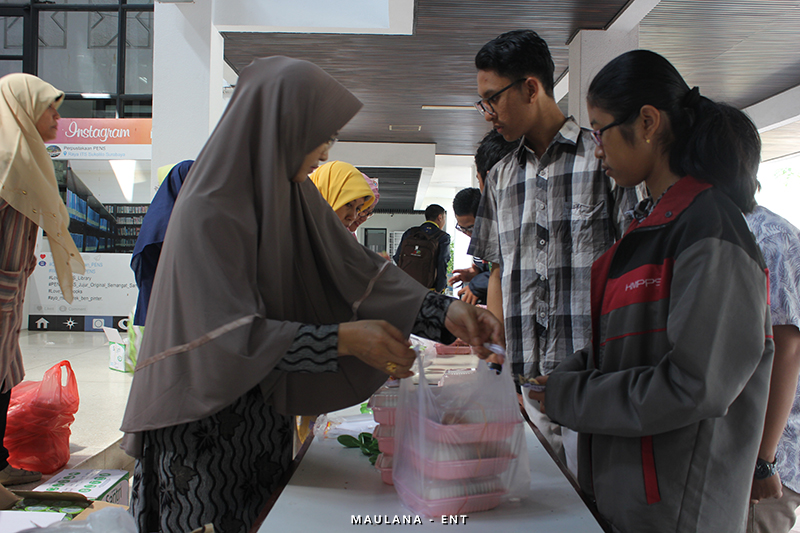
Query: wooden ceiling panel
(738, 51)
(394, 75)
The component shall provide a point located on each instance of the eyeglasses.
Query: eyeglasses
(365, 215)
(484, 105)
(330, 142)
(597, 135)
(466, 230)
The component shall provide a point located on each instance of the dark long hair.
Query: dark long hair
(711, 141)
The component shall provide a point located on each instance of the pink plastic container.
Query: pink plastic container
(383, 404)
(385, 437)
(384, 465)
(466, 433)
(384, 415)
(462, 469)
(449, 506)
(443, 349)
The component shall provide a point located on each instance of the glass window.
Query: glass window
(139, 53)
(12, 35)
(88, 108)
(78, 51)
(138, 109)
(104, 2)
(9, 67)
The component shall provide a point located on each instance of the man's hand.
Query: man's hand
(462, 275)
(766, 488)
(467, 295)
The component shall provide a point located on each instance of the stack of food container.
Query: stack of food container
(384, 404)
(460, 449)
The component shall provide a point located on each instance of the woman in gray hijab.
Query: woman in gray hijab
(264, 307)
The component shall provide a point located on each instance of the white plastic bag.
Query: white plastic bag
(463, 449)
(106, 520)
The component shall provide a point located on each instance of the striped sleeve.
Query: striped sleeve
(430, 320)
(315, 349)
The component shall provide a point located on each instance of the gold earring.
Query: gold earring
(647, 141)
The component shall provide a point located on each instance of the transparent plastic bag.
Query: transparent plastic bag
(107, 520)
(134, 343)
(426, 350)
(461, 449)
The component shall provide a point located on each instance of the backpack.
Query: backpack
(419, 253)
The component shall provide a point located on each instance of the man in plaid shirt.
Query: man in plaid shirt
(547, 213)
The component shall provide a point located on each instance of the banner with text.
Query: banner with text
(102, 138)
(103, 296)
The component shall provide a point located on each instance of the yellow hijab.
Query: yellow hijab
(341, 183)
(27, 180)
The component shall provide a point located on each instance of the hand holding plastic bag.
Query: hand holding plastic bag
(39, 416)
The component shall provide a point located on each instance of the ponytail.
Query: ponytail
(711, 141)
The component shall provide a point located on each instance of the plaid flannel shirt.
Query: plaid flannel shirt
(545, 221)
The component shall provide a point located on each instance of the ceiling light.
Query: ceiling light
(95, 95)
(403, 127)
(449, 107)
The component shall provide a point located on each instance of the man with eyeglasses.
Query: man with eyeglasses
(474, 280)
(492, 148)
(547, 213)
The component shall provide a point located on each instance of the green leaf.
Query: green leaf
(373, 458)
(348, 441)
(365, 409)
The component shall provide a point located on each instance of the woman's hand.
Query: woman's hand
(539, 396)
(378, 344)
(475, 326)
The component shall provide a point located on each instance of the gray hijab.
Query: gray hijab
(250, 255)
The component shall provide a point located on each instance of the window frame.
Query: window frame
(30, 14)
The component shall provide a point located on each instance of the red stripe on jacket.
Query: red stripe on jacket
(648, 283)
(649, 470)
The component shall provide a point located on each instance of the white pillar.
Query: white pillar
(589, 51)
(187, 81)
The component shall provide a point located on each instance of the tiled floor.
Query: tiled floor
(103, 393)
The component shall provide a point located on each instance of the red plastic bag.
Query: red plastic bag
(39, 416)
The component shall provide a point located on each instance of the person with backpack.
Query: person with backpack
(424, 250)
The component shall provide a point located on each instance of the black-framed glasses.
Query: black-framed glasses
(484, 105)
(466, 230)
(597, 135)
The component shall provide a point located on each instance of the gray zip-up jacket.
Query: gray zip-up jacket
(669, 399)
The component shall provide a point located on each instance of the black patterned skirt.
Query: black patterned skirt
(219, 470)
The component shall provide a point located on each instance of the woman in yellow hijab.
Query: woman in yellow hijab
(29, 199)
(344, 188)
